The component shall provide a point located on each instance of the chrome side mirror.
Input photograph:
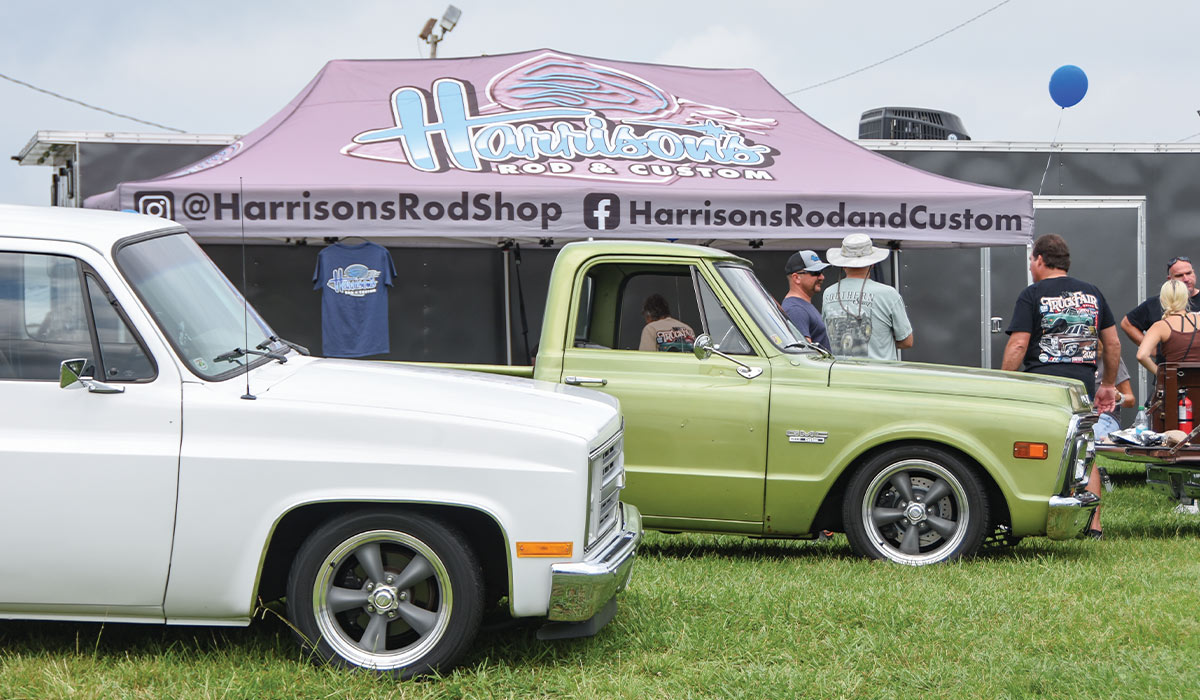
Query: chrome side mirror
(70, 373)
(703, 347)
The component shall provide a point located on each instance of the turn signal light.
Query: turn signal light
(1030, 450)
(544, 549)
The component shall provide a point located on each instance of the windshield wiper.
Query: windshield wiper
(276, 339)
(242, 352)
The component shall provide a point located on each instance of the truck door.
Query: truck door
(695, 431)
(87, 478)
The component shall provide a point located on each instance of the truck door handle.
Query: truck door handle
(579, 381)
(996, 321)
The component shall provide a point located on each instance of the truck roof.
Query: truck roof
(649, 248)
(99, 229)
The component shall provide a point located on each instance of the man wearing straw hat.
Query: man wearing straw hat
(864, 318)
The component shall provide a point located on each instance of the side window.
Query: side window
(45, 319)
(121, 355)
(626, 306)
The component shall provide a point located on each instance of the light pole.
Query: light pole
(429, 33)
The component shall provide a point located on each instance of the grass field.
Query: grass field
(729, 617)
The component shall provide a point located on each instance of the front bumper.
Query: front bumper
(1069, 515)
(1071, 510)
(581, 590)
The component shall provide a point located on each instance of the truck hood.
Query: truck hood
(919, 377)
(567, 409)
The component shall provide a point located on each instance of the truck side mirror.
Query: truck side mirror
(70, 373)
(703, 347)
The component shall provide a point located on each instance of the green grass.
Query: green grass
(730, 617)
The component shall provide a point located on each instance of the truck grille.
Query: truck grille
(606, 478)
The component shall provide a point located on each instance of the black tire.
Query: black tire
(394, 593)
(887, 513)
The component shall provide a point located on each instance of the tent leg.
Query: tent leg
(896, 281)
(508, 340)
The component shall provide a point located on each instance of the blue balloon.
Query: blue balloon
(1068, 85)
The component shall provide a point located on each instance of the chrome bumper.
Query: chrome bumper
(1068, 516)
(581, 590)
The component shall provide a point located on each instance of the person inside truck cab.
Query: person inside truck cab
(663, 333)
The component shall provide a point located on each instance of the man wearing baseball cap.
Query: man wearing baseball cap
(864, 318)
(804, 274)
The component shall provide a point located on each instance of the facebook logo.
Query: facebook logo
(601, 211)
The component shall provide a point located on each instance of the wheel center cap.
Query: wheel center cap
(915, 512)
(383, 598)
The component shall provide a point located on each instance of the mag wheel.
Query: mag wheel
(393, 593)
(915, 505)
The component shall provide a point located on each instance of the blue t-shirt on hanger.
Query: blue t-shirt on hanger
(354, 305)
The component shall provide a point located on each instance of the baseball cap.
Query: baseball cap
(804, 261)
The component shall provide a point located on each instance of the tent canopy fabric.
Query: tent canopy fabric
(547, 145)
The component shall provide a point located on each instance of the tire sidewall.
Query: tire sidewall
(864, 543)
(446, 542)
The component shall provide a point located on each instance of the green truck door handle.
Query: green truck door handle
(579, 381)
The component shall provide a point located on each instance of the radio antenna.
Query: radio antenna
(245, 302)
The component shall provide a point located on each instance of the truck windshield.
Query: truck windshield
(197, 307)
(763, 308)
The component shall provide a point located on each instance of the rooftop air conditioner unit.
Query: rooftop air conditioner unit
(897, 123)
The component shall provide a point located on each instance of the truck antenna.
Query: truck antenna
(245, 302)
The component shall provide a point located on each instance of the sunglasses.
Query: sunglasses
(1181, 258)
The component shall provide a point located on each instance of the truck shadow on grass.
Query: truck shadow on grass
(690, 547)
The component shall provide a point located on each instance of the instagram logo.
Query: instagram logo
(155, 204)
(601, 211)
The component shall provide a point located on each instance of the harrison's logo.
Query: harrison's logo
(556, 115)
(155, 204)
(601, 211)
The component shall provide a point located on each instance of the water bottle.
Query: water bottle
(1141, 423)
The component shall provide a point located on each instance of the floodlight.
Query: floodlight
(427, 29)
(450, 18)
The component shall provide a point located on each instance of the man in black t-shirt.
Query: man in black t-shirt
(1144, 315)
(1057, 321)
(1055, 325)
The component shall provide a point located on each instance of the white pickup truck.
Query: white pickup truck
(166, 458)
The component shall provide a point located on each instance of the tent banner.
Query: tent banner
(575, 214)
(549, 144)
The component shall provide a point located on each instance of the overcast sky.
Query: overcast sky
(225, 67)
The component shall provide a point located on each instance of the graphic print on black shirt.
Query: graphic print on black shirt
(1068, 328)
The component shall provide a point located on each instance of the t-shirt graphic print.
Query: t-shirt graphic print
(353, 281)
(1069, 328)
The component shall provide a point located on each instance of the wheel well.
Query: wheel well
(483, 535)
(829, 515)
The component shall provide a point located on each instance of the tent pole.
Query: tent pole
(896, 278)
(507, 308)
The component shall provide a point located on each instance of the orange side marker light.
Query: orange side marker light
(544, 549)
(1031, 450)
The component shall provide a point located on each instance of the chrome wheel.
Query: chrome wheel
(382, 599)
(915, 506)
(392, 592)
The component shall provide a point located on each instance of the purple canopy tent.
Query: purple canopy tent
(547, 145)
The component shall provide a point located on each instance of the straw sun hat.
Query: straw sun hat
(857, 251)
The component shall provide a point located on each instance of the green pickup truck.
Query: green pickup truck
(757, 432)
